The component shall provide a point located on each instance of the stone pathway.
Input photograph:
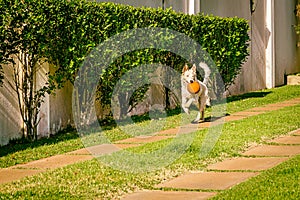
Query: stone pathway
(225, 174)
(219, 176)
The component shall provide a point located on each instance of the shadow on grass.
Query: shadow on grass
(259, 94)
(108, 124)
(23, 144)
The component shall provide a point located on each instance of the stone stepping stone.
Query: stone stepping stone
(208, 180)
(82, 151)
(234, 118)
(145, 139)
(54, 162)
(255, 164)
(247, 113)
(168, 195)
(287, 140)
(9, 174)
(295, 101)
(296, 133)
(102, 149)
(205, 125)
(125, 146)
(172, 131)
(267, 108)
(272, 150)
(283, 104)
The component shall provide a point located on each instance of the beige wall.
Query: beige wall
(55, 113)
(56, 110)
(286, 60)
(287, 54)
(61, 108)
(252, 76)
(10, 118)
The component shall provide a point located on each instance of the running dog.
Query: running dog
(201, 98)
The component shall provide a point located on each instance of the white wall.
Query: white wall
(10, 118)
(287, 54)
(61, 108)
(55, 113)
(253, 74)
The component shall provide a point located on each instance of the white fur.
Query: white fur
(201, 99)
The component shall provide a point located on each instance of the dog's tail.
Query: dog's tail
(207, 72)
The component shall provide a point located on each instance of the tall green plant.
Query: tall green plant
(63, 32)
(27, 44)
(24, 31)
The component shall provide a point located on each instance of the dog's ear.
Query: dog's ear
(185, 68)
(194, 68)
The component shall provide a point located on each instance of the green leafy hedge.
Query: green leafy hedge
(75, 27)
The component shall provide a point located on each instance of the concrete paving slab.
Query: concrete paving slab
(287, 140)
(86, 151)
(234, 118)
(125, 146)
(273, 150)
(191, 126)
(54, 162)
(208, 180)
(169, 195)
(267, 108)
(283, 104)
(8, 174)
(256, 164)
(83, 151)
(187, 130)
(103, 149)
(247, 113)
(205, 125)
(145, 139)
(296, 132)
(172, 131)
(296, 101)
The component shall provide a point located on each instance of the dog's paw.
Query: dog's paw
(198, 121)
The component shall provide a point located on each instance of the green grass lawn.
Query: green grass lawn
(281, 182)
(95, 180)
(68, 141)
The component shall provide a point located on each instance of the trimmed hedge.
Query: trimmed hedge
(76, 27)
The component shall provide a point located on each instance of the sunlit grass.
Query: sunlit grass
(281, 182)
(69, 141)
(92, 179)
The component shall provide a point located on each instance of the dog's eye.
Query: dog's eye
(187, 75)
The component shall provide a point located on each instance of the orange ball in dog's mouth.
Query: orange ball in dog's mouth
(193, 87)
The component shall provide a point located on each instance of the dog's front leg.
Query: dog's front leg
(186, 104)
(200, 114)
(197, 120)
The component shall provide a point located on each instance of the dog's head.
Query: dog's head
(189, 75)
